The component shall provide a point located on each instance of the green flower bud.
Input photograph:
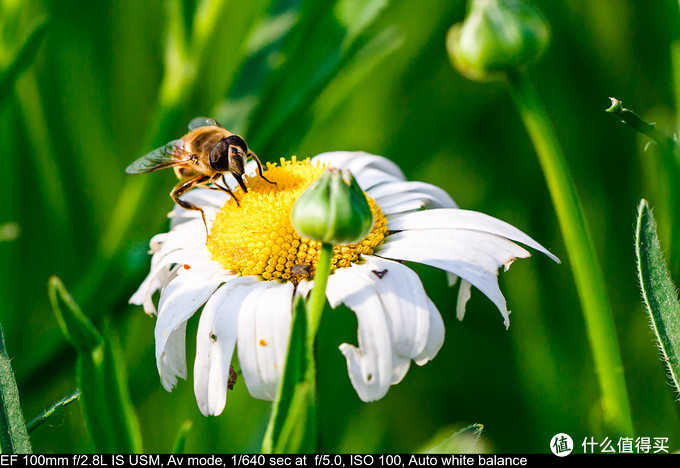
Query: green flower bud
(498, 36)
(333, 210)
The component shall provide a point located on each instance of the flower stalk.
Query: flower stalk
(317, 298)
(581, 250)
(499, 38)
(333, 211)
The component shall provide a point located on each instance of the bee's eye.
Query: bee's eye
(219, 156)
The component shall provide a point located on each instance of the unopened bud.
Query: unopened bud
(497, 36)
(333, 210)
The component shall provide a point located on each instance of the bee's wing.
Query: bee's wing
(172, 154)
(203, 122)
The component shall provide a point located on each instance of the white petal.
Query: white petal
(370, 365)
(151, 284)
(405, 301)
(369, 170)
(370, 177)
(463, 296)
(356, 161)
(181, 298)
(462, 219)
(473, 255)
(215, 341)
(190, 232)
(435, 338)
(162, 272)
(263, 333)
(304, 287)
(451, 279)
(404, 205)
(431, 195)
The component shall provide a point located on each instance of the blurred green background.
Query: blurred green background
(111, 80)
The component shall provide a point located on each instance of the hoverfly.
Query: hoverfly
(201, 157)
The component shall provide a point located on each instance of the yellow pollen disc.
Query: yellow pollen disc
(257, 238)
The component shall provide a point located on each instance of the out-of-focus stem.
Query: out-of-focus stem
(585, 265)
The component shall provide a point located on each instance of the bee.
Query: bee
(200, 158)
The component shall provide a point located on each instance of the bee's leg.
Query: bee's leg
(222, 189)
(224, 179)
(259, 167)
(239, 179)
(185, 186)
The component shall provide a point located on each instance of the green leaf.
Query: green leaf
(299, 433)
(23, 57)
(327, 37)
(658, 291)
(111, 418)
(78, 330)
(13, 434)
(466, 440)
(44, 416)
(101, 376)
(180, 440)
(293, 426)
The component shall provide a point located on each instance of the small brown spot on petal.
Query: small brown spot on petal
(187, 267)
(379, 273)
(263, 342)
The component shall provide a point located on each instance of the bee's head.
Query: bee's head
(229, 154)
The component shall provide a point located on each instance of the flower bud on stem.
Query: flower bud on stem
(494, 42)
(497, 37)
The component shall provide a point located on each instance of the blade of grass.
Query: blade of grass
(180, 440)
(668, 174)
(13, 434)
(44, 416)
(101, 376)
(292, 426)
(585, 265)
(462, 441)
(658, 292)
(23, 57)
(326, 38)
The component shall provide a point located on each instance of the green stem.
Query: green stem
(43, 417)
(585, 265)
(629, 117)
(317, 298)
(666, 175)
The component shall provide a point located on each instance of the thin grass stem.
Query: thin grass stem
(581, 251)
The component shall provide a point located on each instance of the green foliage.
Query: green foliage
(101, 376)
(293, 426)
(13, 434)
(13, 63)
(107, 85)
(180, 440)
(49, 412)
(658, 291)
(465, 440)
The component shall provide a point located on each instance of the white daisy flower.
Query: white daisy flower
(247, 271)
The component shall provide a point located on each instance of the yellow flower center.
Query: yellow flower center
(257, 238)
